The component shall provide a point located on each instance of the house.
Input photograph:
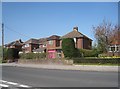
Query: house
(54, 47)
(81, 41)
(114, 47)
(35, 45)
(54, 42)
(42, 46)
(15, 44)
(30, 45)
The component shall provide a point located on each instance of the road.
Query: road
(36, 77)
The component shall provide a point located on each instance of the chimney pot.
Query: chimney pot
(75, 29)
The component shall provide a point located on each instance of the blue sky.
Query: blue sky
(43, 19)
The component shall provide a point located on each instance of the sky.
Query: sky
(25, 20)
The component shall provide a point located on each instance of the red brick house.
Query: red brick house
(81, 41)
(54, 49)
(114, 47)
(35, 45)
(42, 46)
(29, 45)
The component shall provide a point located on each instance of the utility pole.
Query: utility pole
(2, 41)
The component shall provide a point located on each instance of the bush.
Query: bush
(98, 60)
(68, 47)
(10, 54)
(33, 55)
(88, 53)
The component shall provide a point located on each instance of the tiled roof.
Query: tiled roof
(34, 41)
(74, 34)
(53, 37)
(42, 40)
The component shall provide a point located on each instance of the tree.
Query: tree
(105, 35)
(68, 47)
(12, 54)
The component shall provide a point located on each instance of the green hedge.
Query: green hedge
(97, 60)
(32, 55)
(88, 53)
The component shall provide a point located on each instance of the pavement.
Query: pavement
(66, 67)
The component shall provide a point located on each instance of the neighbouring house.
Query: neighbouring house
(81, 41)
(54, 47)
(15, 44)
(30, 45)
(114, 47)
(35, 45)
(42, 46)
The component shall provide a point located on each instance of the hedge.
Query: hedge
(32, 55)
(97, 60)
(89, 53)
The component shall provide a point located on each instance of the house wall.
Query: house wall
(87, 44)
(79, 43)
(30, 48)
(51, 53)
(113, 53)
(53, 45)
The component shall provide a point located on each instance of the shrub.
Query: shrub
(12, 53)
(97, 60)
(68, 47)
(88, 53)
(33, 55)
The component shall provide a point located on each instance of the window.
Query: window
(50, 42)
(112, 49)
(57, 43)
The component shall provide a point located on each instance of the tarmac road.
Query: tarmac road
(37, 77)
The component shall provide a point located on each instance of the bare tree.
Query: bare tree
(105, 34)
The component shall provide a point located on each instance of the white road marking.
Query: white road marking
(24, 86)
(3, 85)
(3, 81)
(12, 83)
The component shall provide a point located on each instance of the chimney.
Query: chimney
(75, 29)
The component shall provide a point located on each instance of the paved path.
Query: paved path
(67, 67)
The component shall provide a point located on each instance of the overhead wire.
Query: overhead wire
(8, 28)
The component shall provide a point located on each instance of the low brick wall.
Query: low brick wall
(46, 61)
